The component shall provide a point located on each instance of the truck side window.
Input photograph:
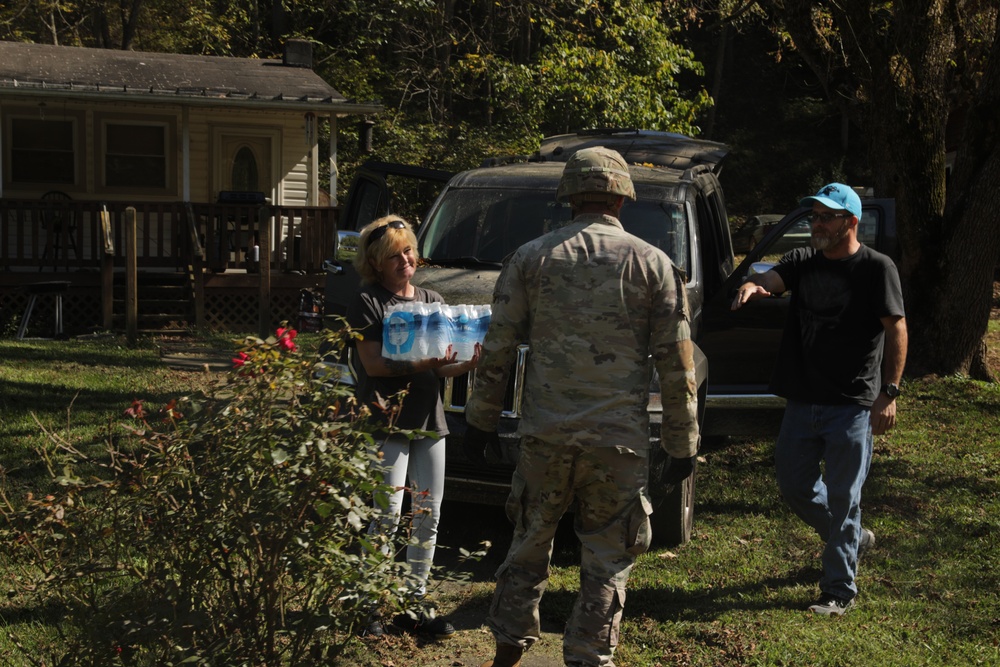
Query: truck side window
(868, 228)
(716, 250)
(367, 203)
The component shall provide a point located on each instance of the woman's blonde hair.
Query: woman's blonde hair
(389, 239)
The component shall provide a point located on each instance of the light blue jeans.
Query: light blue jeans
(422, 461)
(828, 499)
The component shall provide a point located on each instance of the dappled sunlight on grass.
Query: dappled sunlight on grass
(734, 595)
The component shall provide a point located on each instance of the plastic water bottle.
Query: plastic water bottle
(414, 331)
(438, 334)
(483, 316)
(421, 349)
(465, 327)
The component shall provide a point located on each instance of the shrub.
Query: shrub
(229, 528)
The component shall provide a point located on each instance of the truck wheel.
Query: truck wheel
(673, 515)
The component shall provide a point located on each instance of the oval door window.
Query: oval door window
(245, 171)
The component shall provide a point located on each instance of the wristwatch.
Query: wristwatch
(891, 390)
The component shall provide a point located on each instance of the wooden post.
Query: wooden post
(131, 278)
(196, 268)
(264, 272)
(107, 269)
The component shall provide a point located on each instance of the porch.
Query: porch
(210, 267)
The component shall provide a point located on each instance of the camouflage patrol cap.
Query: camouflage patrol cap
(595, 171)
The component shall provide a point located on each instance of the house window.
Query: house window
(244, 174)
(41, 151)
(135, 156)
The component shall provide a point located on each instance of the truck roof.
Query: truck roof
(545, 176)
(662, 149)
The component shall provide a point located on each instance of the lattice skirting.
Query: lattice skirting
(226, 310)
(236, 309)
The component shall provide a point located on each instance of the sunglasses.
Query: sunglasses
(827, 217)
(379, 232)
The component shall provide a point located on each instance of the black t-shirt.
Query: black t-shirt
(831, 351)
(422, 408)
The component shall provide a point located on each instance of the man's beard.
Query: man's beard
(830, 240)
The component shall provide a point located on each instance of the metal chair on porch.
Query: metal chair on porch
(55, 288)
(59, 222)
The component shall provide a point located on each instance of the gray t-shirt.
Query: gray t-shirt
(421, 408)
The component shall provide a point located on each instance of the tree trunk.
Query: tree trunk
(130, 24)
(972, 242)
(717, 78)
(961, 305)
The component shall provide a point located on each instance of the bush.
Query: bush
(229, 530)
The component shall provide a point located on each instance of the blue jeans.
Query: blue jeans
(829, 500)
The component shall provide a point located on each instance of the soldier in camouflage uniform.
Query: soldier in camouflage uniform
(599, 308)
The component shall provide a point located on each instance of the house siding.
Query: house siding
(290, 153)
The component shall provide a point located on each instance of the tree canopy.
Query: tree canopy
(914, 84)
(921, 79)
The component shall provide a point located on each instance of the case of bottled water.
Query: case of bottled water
(412, 331)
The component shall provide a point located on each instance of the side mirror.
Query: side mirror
(347, 246)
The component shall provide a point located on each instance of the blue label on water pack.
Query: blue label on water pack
(399, 332)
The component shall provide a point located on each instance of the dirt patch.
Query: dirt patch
(466, 604)
(186, 355)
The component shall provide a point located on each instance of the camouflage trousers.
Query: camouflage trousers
(606, 487)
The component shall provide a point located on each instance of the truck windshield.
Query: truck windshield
(486, 224)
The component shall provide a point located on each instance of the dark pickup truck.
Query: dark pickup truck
(484, 214)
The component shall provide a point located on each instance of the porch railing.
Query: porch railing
(39, 235)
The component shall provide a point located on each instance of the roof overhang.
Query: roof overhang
(202, 99)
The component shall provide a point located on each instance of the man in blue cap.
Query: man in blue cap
(839, 368)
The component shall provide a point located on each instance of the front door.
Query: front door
(244, 163)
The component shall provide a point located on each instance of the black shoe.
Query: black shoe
(436, 627)
(373, 629)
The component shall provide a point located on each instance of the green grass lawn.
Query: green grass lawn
(75, 390)
(735, 595)
(928, 591)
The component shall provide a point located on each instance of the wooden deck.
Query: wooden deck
(197, 266)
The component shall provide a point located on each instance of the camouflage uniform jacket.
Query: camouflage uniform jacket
(593, 303)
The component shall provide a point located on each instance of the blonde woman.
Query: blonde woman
(387, 262)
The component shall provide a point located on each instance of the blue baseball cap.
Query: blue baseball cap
(836, 196)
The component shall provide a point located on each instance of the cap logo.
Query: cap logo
(828, 190)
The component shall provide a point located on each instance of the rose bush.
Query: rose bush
(227, 528)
